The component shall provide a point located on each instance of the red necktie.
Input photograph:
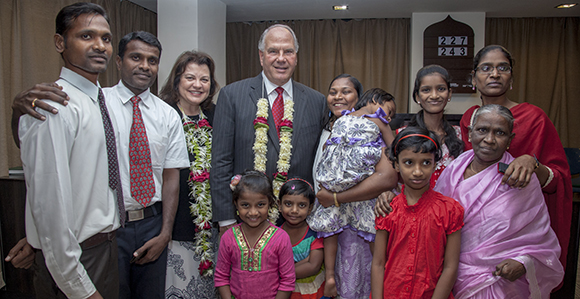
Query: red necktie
(278, 109)
(142, 184)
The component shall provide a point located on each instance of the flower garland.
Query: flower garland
(198, 136)
(261, 147)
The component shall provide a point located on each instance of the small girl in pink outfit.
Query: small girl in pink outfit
(255, 258)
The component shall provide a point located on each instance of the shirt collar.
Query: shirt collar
(271, 86)
(125, 94)
(81, 83)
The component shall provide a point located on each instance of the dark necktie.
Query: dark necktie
(142, 183)
(278, 109)
(114, 176)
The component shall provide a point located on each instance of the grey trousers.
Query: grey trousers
(101, 264)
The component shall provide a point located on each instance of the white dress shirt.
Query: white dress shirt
(273, 94)
(68, 198)
(164, 133)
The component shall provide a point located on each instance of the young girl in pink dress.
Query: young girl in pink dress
(417, 245)
(255, 257)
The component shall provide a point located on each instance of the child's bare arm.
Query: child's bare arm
(311, 264)
(225, 292)
(450, 264)
(385, 178)
(378, 264)
(386, 131)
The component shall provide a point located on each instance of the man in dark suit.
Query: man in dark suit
(234, 134)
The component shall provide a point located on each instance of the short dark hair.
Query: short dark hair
(170, 91)
(254, 181)
(417, 144)
(297, 187)
(68, 14)
(374, 95)
(143, 36)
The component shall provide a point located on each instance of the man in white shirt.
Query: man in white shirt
(144, 238)
(71, 212)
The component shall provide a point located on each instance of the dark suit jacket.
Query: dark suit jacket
(233, 137)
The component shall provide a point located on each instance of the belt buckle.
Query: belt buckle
(136, 215)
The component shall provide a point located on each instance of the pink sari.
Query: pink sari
(501, 223)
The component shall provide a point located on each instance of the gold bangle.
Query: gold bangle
(336, 203)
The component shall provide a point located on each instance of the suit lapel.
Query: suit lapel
(256, 89)
(299, 112)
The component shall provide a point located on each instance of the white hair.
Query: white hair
(262, 43)
(497, 109)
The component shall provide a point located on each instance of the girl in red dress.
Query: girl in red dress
(417, 245)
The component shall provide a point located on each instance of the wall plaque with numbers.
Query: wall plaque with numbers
(449, 43)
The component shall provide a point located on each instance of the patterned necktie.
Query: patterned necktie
(278, 109)
(142, 184)
(114, 176)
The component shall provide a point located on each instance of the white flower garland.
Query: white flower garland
(198, 136)
(261, 147)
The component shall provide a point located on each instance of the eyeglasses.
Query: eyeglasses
(487, 68)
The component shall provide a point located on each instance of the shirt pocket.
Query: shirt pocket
(158, 147)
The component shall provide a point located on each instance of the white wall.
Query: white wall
(191, 25)
(419, 22)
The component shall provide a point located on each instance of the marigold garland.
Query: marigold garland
(261, 147)
(198, 136)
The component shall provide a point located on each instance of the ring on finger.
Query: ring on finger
(34, 102)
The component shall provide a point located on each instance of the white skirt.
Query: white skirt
(183, 280)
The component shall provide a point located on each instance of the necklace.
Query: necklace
(260, 147)
(198, 137)
(471, 167)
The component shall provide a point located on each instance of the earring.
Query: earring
(508, 147)
(449, 100)
(511, 87)
(237, 212)
(473, 87)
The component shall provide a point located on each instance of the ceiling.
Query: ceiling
(263, 10)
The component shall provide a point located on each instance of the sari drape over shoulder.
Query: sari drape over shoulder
(536, 135)
(501, 223)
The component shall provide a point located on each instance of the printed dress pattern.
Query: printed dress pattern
(352, 151)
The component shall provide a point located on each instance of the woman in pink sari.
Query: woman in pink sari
(508, 249)
(536, 145)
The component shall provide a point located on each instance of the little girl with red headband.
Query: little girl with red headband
(417, 245)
